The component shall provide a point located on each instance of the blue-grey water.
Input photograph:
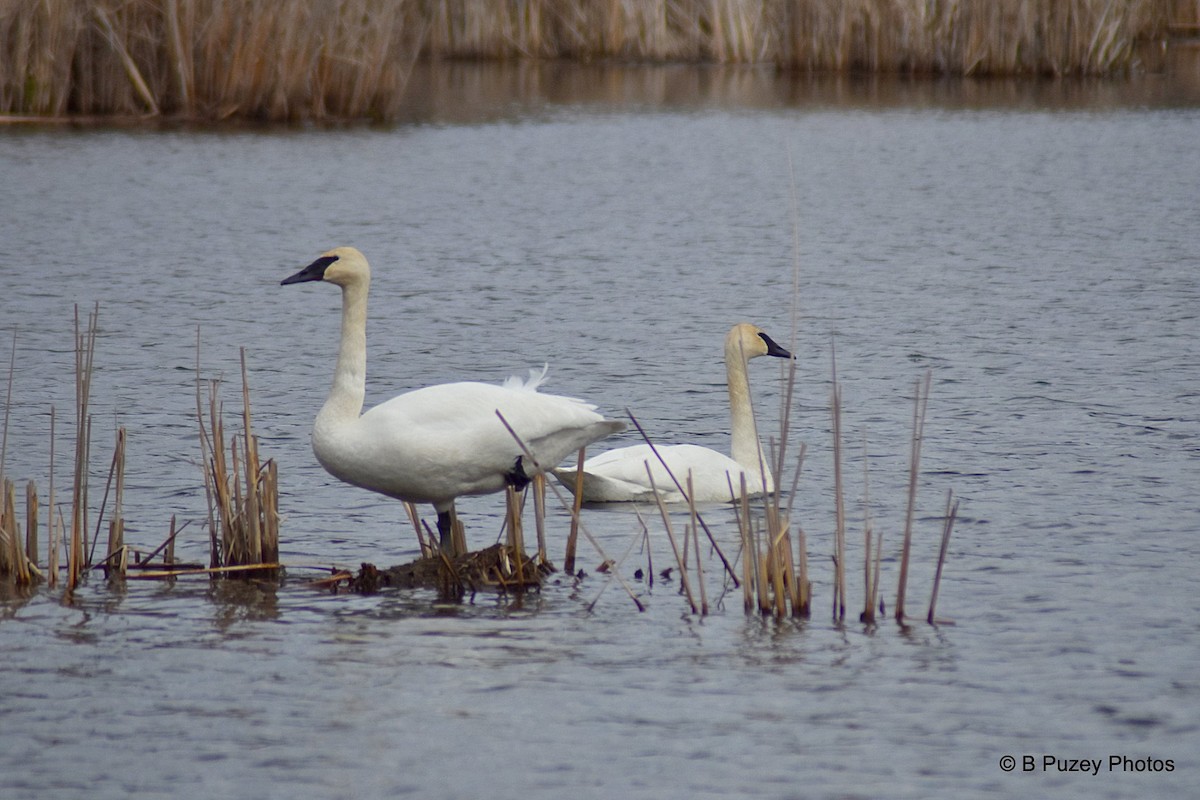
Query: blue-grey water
(1035, 246)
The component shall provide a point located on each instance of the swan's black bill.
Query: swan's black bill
(313, 272)
(773, 348)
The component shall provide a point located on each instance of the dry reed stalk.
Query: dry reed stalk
(576, 509)
(741, 510)
(921, 402)
(215, 571)
(127, 62)
(868, 612)
(696, 542)
(242, 491)
(85, 350)
(52, 530)
(839, 547)
(116, 525)
(31, 522)
(539, 517)
(167, 548)
(516, 537)
(803, 584)
(951, 513)
(12, 364)
(666, 518)
(415, 519)
(11, 562)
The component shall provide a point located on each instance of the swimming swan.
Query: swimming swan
(620, 475)
(434, 444)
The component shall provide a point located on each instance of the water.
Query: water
(1034, 246)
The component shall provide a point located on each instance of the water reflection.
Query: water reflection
(464, 93)
(236, 601)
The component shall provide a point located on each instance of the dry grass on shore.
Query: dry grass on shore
(317, 59)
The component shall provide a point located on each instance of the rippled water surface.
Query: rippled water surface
(1035, 247)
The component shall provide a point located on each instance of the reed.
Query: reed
(14, 561)
(920, 404)
(539, 518)
(947, 526)
(318, 59)
(85, 351)
(116, 559)
(576, 509)
(242, 490)
(415, 518)
(839, 537)
(679, 559)
(516, 533)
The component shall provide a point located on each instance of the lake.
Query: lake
(1032, 245)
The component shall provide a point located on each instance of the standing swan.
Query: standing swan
(620, 475)
(434, 444)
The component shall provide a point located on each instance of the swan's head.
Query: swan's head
(752, 341)
(342, 266)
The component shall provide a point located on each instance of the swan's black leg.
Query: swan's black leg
(445, 525)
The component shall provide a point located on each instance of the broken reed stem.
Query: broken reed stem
(539, 516)
(951, 513)
(803, 584)
(31, 522)
(576, 509)
(116, 525)
(516, 538)
(921, 401)
(11, 562)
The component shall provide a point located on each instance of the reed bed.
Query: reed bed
(329, 59)
(241, 487)
(242, 491)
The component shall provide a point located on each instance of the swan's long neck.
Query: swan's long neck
(349, 388)
(745, 447)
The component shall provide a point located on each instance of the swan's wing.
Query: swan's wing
(455, 430)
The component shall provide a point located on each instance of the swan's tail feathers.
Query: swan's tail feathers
(604, 489)
(530, 384)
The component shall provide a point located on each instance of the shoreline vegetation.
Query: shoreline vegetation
(296, 60)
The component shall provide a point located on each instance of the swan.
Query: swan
(435, 444)
(620, 475)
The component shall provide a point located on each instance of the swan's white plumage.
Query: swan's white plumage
(620, 475)
(434, 444)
